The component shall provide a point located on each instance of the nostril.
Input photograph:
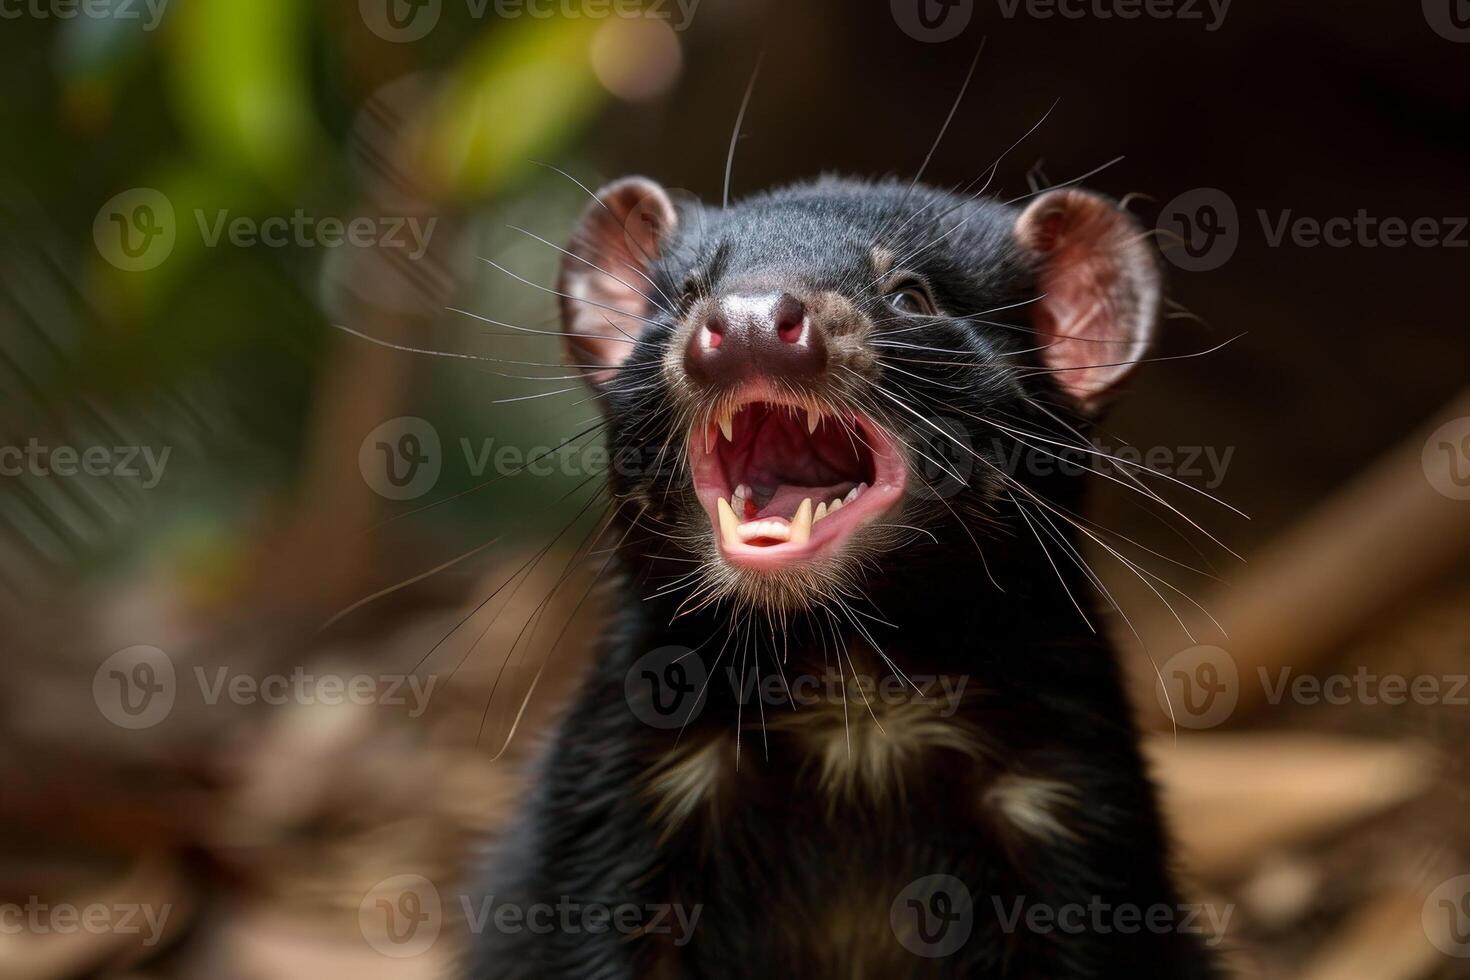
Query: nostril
(790, 318)
(714, 332)
(704, 360)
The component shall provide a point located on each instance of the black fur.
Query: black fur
(792, 879)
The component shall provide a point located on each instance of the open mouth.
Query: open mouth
(784, 482)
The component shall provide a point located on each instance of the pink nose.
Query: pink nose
(746, 336)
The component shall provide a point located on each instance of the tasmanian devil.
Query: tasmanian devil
(852, 719)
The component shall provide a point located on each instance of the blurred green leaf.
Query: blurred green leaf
(239, 77)
(521, 93)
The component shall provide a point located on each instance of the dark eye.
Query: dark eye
(911, 301)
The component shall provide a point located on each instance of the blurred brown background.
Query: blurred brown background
(263, 831)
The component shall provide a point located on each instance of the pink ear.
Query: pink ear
(604, 277)
(1100, 290)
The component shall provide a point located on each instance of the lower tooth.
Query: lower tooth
(774, 530)
(729, 523)
(801, 524)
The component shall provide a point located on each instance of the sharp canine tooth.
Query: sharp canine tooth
(801, 524)
(813, 419)
(729, 523)
(821, 512)
(727, 426)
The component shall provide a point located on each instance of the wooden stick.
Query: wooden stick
(1384, 940)
(1231, 797)
(1389, 532)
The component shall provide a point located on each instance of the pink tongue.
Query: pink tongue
(787, 498)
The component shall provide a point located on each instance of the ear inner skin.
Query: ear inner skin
(1100, 291)
(604, 279)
